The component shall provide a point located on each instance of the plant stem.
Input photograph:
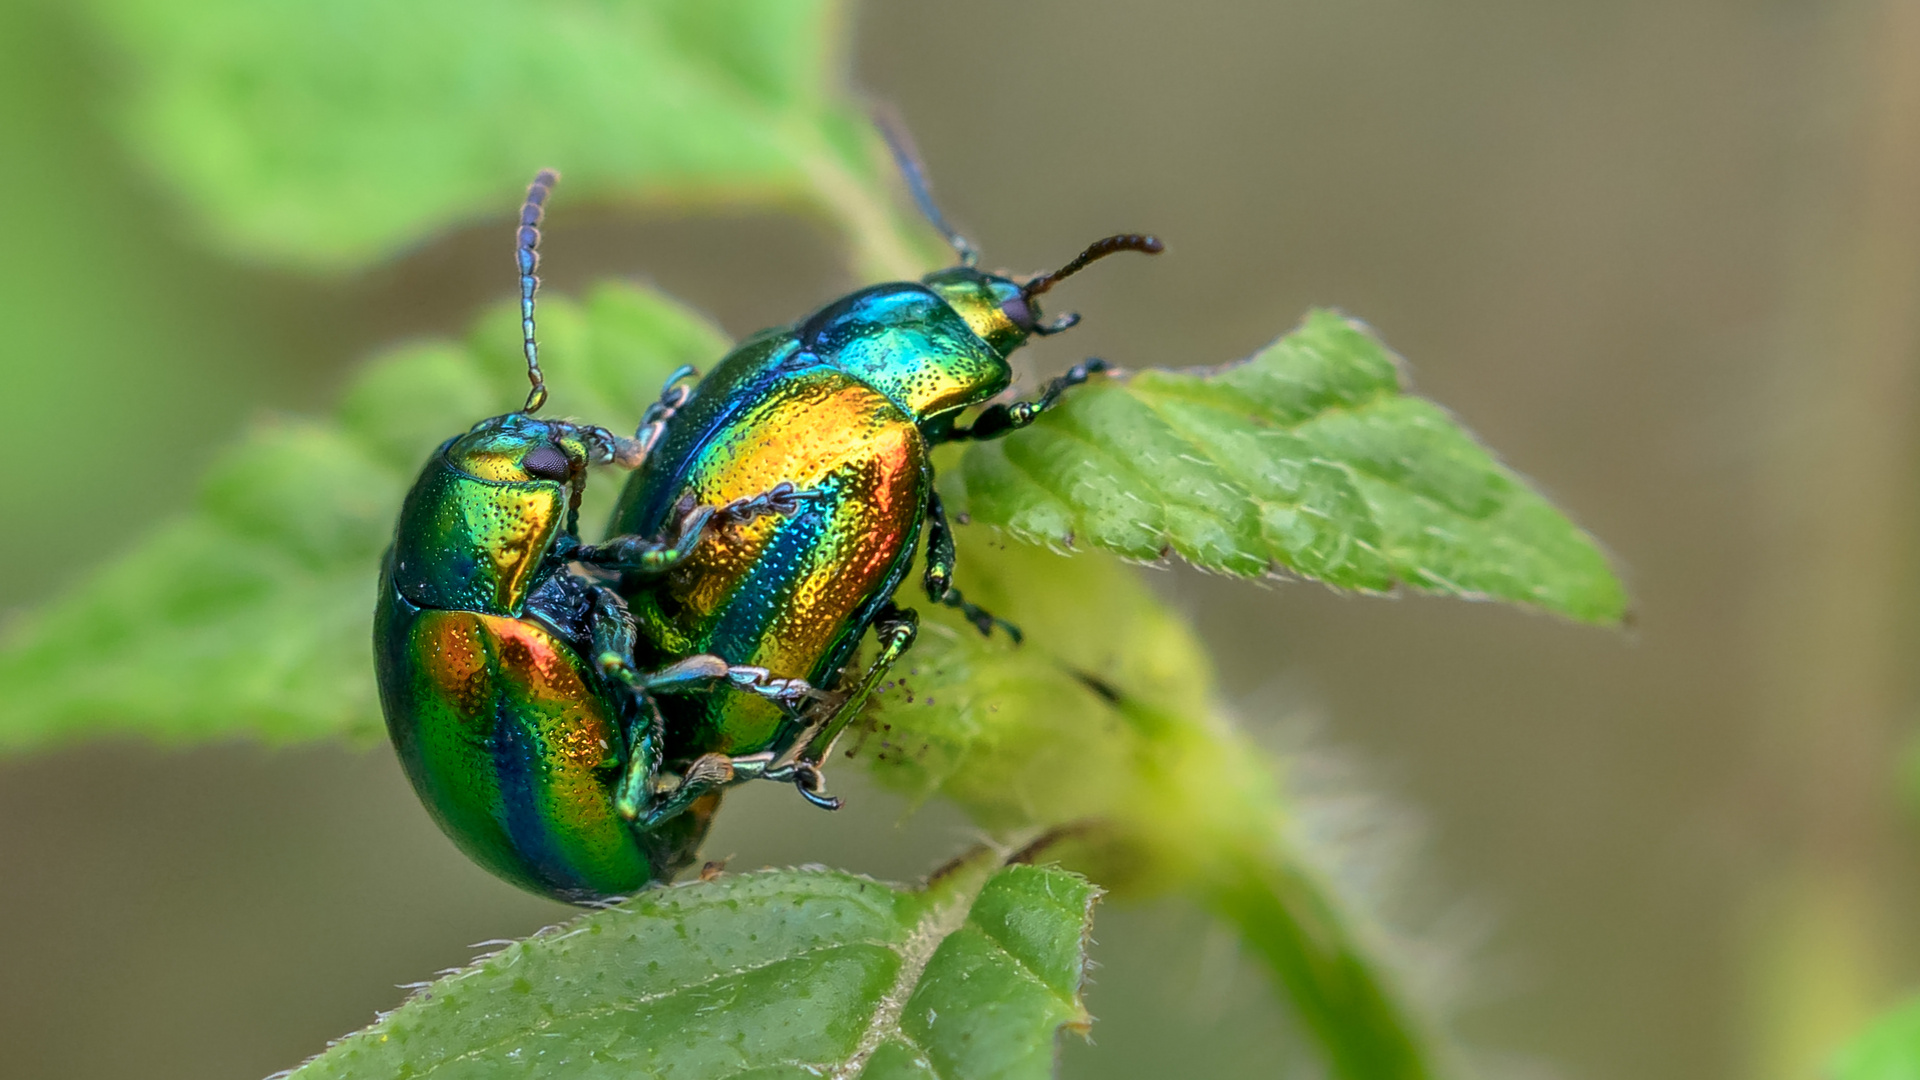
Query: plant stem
(879, 250)
(1287, 917)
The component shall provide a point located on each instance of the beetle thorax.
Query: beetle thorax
(910, 343)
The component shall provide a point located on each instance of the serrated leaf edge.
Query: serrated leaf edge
(1422, 580)
(956, 888)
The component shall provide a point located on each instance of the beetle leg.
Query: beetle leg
(647, 555)
(613, 640)
(895, 627)
(635, 796)
(782, 499)
(710, 772)
(632, 453)
(705, 671)
(652, 556)
(997, 420)
(939, 578)
(705, 773)
(653, 422)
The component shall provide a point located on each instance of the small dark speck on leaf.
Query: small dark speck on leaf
(1105, 689)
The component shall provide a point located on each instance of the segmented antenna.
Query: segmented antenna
(1099, 249)
(527, 256)
(905, 155)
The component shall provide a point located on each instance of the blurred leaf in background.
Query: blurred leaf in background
(1890, 1050)
(126, 346)
(251, 614)
(329, 135)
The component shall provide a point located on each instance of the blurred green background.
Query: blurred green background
(1664, 256)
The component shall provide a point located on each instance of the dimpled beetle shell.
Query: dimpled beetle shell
(846, 405)
(499, 722)
(575, 738)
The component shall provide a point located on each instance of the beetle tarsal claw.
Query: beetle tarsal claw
(629, 453)
(782, 499)
(761, 681)
(708, 769)
(810, 783)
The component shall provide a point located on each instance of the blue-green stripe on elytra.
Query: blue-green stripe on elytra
(517, 770)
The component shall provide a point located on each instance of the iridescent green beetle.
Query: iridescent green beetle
(508, 679)
(846, 404)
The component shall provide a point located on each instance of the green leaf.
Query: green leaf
(774, 974)
(251, 613)
(1103, 726)
(1890, 1049)
(330, 134)
(1307, 459)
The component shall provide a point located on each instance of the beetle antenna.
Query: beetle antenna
(527, 257)
(905, 155)
(1097, 250)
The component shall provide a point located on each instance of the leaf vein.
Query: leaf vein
(1023, 967)
(635, 1003)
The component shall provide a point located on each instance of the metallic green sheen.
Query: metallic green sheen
(844, 405)
(506, 732)
(472, 544)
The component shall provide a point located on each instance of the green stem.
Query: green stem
(1244, 866)
(882, 247)
(1334, 985)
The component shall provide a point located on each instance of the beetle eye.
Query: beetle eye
(1018, 311)
(547, 462)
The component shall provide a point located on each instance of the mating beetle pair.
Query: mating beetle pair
(540, 690)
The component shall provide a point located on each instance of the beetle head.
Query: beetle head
(517, 448)
(1005, 312)
(486, 511)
